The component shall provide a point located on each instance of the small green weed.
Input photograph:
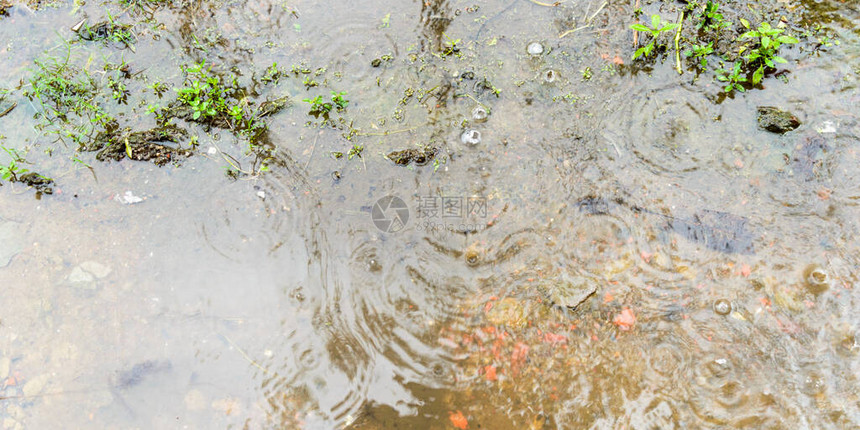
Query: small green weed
(766, 43)
(321, 107)
(658, 27)
(701, 52)
(449, 46)
(12, 170)
(711, 19)
(733, 78)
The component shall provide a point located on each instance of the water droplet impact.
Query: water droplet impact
(374, 266)
(472, 258)
(535, 48)
(471, 137)
(816, 278)
(722, 307)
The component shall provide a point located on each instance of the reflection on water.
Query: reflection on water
(621, 249)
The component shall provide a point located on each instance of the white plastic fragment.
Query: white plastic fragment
(827, 127)
(128, 198)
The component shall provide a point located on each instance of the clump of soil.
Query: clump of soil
(141, 145)
(418, 156)
(41, 184)
(4, 7)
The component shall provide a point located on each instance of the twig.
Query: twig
(677, 43)
(636, 33)
(386, 133)
(596, 12)
(545, 4)
(476, 101)
(241, 351)
(573, 30)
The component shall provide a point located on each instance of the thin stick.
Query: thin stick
(573, 30)
(386, 133)
(636, 33)
(677, 43)
(545, 4)
(476, 101)
(241, 351)
(596, 12)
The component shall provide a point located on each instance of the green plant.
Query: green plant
(658, 27)
(733, 79)
(12, 170)
(710, 18)
(339, 101)
(449, 46)
(355, 151)
(119, 92)
(766, 43)
(272, 74)
(701, 52)
(309, 82)
(318, 106)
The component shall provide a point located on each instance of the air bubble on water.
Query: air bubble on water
(480, 114)
(471, 137)
(535, 48)
(722, 307)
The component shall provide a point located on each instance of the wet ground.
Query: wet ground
(504, 222)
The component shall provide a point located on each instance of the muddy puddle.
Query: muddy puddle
(440, 214)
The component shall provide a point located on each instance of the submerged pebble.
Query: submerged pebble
(471, 137)
(535, 48)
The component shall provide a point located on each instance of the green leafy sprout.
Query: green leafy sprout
(658, 27)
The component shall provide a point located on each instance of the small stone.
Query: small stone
(535, 48)
(35, 386)
(376, 62)
(776, 120)
(97, 269)
(261, 194)
(570, 292)
(507, 312)
(79, 276)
